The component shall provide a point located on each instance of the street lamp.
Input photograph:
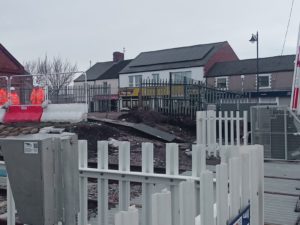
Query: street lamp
(254, 38)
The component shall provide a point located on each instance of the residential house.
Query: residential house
(103, 81)
(189, 62)
(275, 77)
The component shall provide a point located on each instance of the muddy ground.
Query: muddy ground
(183, 129)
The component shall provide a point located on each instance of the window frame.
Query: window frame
(178, 76)
(269, 79)
(138, 84)
(155, 80)
(131, 83)
(226, 82)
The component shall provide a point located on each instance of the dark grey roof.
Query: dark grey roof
(104, 70)
(113, 72)
(95, 71)
(183, 57)
(248, 66)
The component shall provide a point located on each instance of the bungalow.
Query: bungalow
(275, 77)
(189, 62)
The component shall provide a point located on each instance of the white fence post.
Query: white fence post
(161, 208)
(102, 198)
(11, 218)
(83, 189)
(245, 168)
(124, 165)
(237, 128)
(187, 202)
(201, 127)
(207, 198)
(147, 188)
(211, 132)
(198, 166)
(220, 129)
(226, 127)
(234, 186)
(222, 194)
(130, 217)
(172, 161)
(257, 184)
(198, 160)
(232, 127)
(245, 126)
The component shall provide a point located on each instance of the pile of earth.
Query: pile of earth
(183, 127)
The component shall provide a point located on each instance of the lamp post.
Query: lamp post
(254, 38)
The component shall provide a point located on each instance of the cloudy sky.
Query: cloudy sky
(84, 30)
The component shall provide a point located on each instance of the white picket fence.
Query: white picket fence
(232, 129)
(241, 168)
(200, 198)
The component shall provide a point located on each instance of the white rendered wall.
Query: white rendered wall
(197, 74)
(114, 84)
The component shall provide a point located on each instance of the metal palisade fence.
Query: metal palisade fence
(185, 97)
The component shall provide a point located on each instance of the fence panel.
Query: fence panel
(185, 97)
(229, 129)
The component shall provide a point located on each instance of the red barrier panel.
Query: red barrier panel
(21, 114)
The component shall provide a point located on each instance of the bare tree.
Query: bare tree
(58, 72)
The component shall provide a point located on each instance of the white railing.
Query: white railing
(241, 167)
(232, 127)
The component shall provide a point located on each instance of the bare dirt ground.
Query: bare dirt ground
(93, 132)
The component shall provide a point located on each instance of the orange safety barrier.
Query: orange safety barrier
(21, 114)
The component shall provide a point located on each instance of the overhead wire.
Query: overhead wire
(287, 28)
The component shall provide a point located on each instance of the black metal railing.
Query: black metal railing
(186, 97)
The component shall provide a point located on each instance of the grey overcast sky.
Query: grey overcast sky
(84, 30)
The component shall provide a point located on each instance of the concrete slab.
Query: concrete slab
(139, 127)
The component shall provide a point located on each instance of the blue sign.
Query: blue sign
(243, 218)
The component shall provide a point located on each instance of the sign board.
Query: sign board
(243, 218)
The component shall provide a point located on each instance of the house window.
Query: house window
(264, 81)
(155, 77)
(131, 81)
(138, 80)
(222, 83)
(180, 77)
(105, 88)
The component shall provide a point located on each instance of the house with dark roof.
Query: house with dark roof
(275, 77)
(105, 75)
(189, 62)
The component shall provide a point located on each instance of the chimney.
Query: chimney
(118, 56)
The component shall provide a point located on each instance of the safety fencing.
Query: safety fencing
(221, 129)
